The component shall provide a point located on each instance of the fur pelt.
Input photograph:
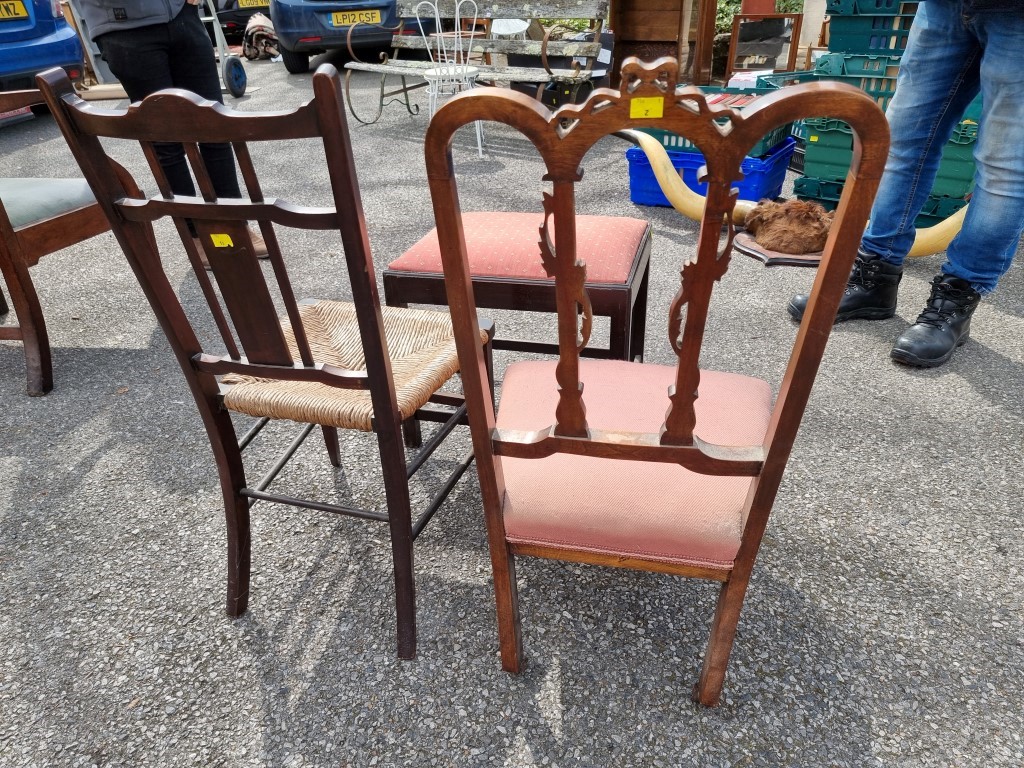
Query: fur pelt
(795, 226)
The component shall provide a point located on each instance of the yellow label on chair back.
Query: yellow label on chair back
(221, 241)
(649, 107)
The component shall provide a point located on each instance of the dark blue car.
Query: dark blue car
(307, 27)
(33, 38)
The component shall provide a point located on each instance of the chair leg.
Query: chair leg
(396, 488)
(412, 435)
(38, 363)
(479, 138)
(621, 332)
(331, 441)
(239, 553)
(723, 631)
(231, 471)
(506, 595)
(4, 309)
(636, 346)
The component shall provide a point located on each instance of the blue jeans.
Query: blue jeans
(178, 54)
(949, 58)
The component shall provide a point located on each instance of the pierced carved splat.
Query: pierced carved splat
(577, 275)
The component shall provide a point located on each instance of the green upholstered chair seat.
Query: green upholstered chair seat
(30, 200)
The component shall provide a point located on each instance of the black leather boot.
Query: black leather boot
(870, 291)
(944, 325)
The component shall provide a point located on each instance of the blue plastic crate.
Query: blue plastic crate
(762, 176)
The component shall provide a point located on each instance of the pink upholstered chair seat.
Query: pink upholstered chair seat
(505, 245)
(651, 510)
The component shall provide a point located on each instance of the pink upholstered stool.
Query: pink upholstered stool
(504, 256)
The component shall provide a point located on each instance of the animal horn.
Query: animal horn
(691, 204)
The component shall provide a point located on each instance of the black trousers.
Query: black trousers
(178, 54)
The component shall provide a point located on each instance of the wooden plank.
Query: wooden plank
(662, 26)
(523, 47)
(487, 73)
(544, 9)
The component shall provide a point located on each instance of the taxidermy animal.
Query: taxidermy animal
(795, 226)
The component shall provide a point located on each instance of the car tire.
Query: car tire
(295, 63)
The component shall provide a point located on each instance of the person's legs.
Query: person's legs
(938, 78)
(141, 60)
(194, 68)
(982, 251)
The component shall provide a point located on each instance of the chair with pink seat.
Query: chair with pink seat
(665, 468)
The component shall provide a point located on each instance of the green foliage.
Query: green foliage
(723, 15)
(729, 8)
(577, 25)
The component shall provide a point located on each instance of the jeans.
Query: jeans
(178, 54)
(950, 58)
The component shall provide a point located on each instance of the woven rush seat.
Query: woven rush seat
(505, 262)
(422, 353)
(656, 511)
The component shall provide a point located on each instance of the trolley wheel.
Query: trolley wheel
(234, 76)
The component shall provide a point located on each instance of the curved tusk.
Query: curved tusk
(937, 238)
(691, 204)
(682, 198)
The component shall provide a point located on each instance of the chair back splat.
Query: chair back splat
(337, 364)
(661, 468)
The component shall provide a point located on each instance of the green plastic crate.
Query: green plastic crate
(869, 34)
(828, 153)
(880, 89)
(828, 148)
(869, 7)
(857, 65)
(827, 192)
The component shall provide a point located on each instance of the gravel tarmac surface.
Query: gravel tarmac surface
(883, 626)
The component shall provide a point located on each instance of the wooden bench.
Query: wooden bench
(407, 42)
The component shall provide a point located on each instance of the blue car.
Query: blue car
(34, 37)
(307, 27)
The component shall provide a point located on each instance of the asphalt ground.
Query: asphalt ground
(883, 626)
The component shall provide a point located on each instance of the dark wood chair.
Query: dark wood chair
(335, 364)
(38, 217)
(672, 469)
(505, 260)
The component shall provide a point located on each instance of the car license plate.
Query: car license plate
(348, 18)
(12, 9)
(253, 3)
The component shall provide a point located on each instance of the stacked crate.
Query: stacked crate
(866, 40)
(764, 169)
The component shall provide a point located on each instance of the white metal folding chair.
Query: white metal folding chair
(449, 51)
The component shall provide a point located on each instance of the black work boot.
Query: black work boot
(944, 325)
(870, 291)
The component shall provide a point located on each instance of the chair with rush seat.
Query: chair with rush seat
(337, 364)
(38, 217)
(666, 468)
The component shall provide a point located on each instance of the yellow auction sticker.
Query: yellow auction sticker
(649, 107)
(221, 241)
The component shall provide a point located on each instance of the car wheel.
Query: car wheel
(295, 63)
